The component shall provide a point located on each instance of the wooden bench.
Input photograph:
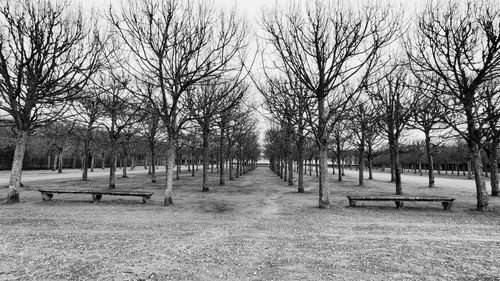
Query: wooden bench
(399, 199)
(47, 194)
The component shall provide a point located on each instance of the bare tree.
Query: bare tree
(492, 119)
(88, 111)
(175, 45)
(208, 101)
(120, 111)
(428, 118)
(324, 46)
(363, 122)
(152, 132)
(396, 102)
(459, 43)
(287, 101)
(47, 54)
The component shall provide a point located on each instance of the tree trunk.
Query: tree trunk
(300, 163)
(285, 170)
(153, 166)
(112, 165)
(361, 164)
(237, 166)
(60, 166)
(124, 165)
(469, 169)
(394, 148)
(205, 134)
(430, 164)
(493, 156)
(149, 167)
(132, 162)
(333, 165)
(230, 160)
(103, 161)
(370, 168)
(178, 170)
(92, 162)
(339, 157)
(324, 192)
(48, 162)
(482, 194)
(192, 165)
(17, 167)
(316, 166)
(290, 169)
(392, 160)
(56, 162)
(167, 198)
(222, 180)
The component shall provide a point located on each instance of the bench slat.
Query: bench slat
(101, 192)
(402, 198)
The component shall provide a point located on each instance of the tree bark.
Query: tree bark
(300, 163)
(222, 180)
(60, 165)
(192, 165)
(178, 170)
(103, 161)
(92, 162)
(205, 135)
(167, 198)
(469, 169)
(324, 193)
(430, 163)
(482, 194)
(370, 168)
(112, 165)
(339, 157)
(124, 165)
(17, 167)
(152, 166)
(493, 156)
(56, 162)
(361, 164)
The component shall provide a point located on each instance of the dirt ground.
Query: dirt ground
(254, 228)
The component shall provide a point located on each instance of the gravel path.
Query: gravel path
(254, 228)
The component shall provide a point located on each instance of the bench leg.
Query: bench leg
(96, 197)
(352, 203)
(399, 204)
(145, 199)
(447, 205)
(47, 196)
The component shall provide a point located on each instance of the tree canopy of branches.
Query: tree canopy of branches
(392, 95)
(175, 45)
(459, 43)
(47, 54)
(324, 46)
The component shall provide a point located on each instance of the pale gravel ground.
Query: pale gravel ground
(255, 228)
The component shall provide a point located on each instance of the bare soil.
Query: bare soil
(254, 228)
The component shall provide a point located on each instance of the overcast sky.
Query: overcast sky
(251, 9)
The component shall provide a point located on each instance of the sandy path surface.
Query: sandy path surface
(254, 228)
